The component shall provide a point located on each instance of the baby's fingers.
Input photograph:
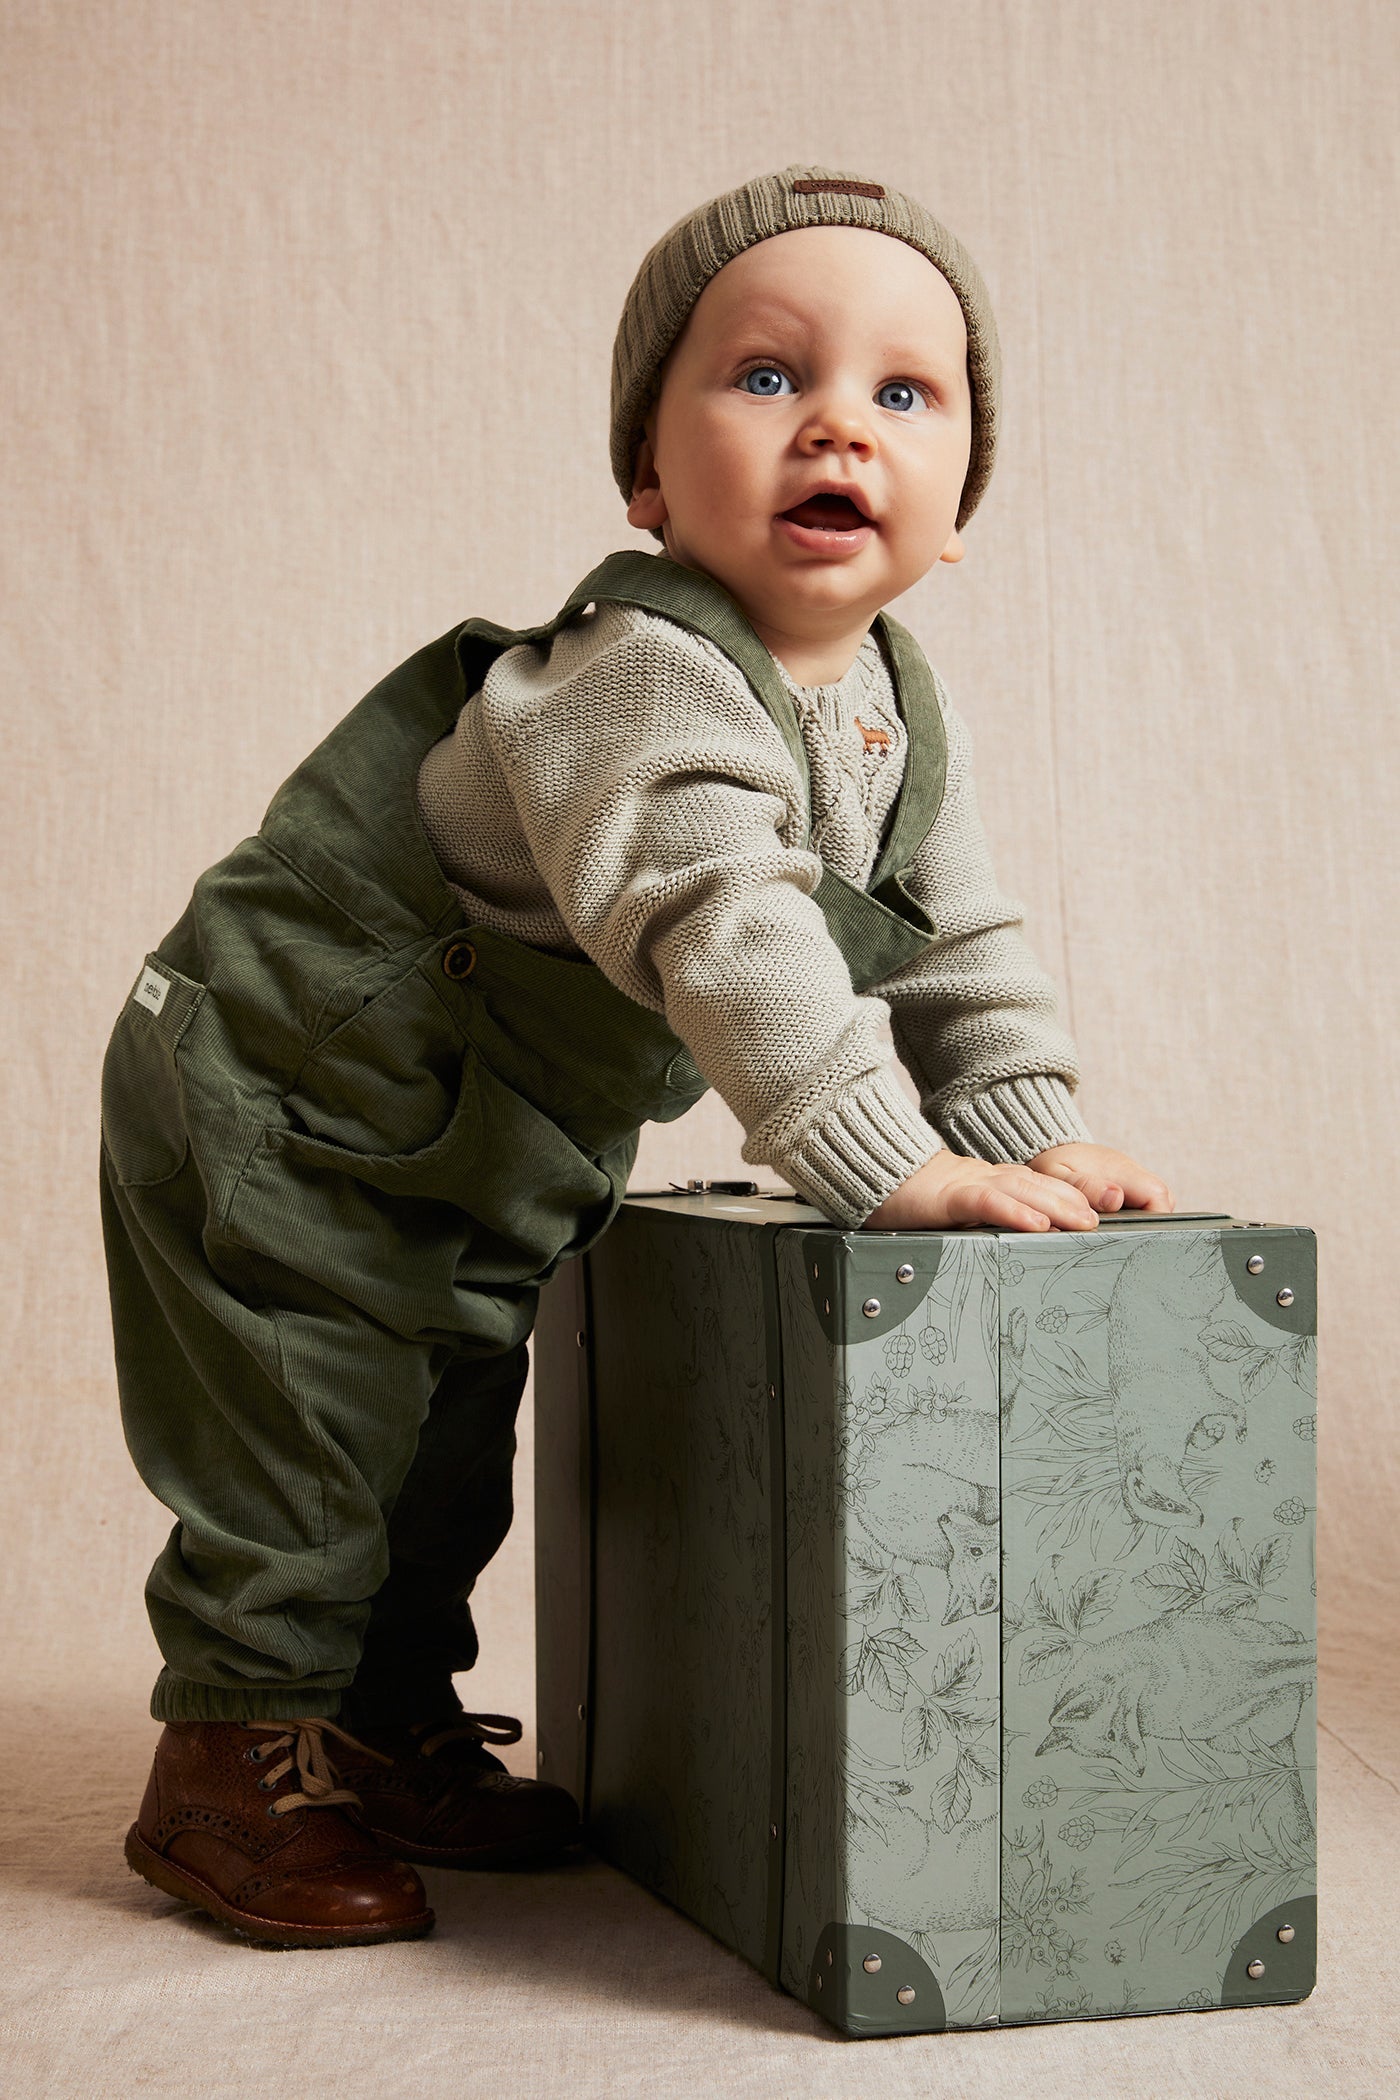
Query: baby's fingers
(1020, 1200)
(1143, 1191)
(1097, 1186)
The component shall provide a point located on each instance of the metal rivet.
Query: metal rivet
(871, 1308)
(772, 1392)
(906, 1994)
(540, 1758)
(772, 1830)
(872, 1964)
(905, 1272)
(830, 1957)
(459, 961)
(816, 1272)
(1285, 1296)
(1255, 1264)
(1255, 1969)
(583, 1713)
(819, 1983)
(826, 1305)
(1285, 1933)
(582, 1339)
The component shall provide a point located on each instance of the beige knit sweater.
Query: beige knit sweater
(623, 795)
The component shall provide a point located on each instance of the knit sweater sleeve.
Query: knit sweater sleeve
(666, 816)
(974, 1019)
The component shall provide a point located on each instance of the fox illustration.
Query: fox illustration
(1190, 1673)
(930, 1494)
(973, 1566)
(1165, 1407)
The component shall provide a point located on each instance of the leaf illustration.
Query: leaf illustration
(1164, 1586)
(982, 1765)
(952, 1797)
(1268, 1561)
(1092, 1597)
(1047, 1657)
(1083, 1379)
(859, 1816)
(1298, 1360)
(957, 1665)
(1192, 1563)
(853, 1666)
(1259, 1372)
(1232, 1597)
(1048, 1610)
(923, 1732)
(887, 1656)
(906, 1598)
(1232, 1560)
(970, 1716)
(1228, 1344)
(868, 1564)
(867, 1602)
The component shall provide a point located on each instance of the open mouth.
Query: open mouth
(827, 513)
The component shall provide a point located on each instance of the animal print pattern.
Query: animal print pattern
(1050, 1601)
(1113, 1431)
(1159, 1623)
(894, 1536)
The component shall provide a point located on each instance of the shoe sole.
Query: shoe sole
(171, 1880)
(520, 1853)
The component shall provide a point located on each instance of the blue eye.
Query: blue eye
(898, 393)
(767, 382)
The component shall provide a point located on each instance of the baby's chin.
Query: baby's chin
(775, 577)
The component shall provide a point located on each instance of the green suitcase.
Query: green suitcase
(931, 1616)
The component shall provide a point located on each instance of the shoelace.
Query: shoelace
(304, 1743)
(481, 1728)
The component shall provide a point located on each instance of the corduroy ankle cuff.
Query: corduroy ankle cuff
(182, 1699)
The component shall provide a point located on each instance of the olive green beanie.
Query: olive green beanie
(675, 272)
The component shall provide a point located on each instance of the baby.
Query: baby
(710, 825)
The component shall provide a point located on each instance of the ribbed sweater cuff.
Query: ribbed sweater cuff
(1014, 1120)
(860, 1150)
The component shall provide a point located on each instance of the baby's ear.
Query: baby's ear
(647, 509)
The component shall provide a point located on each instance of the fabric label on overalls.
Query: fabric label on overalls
(151, 990)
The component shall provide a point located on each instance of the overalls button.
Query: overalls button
(459, 961)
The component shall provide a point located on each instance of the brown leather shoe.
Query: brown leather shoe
(250, 1825)
(437, 1795)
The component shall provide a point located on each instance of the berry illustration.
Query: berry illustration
(877, 1396)
(1291, 1512)
(1306, 1428)
(1054, 1320)
(1113, 1951)
(1195, 2001)
(1264, 1470)
(1078, 1833)
(899, 1354)
(934, 1343)
(1041, 1793)
(1014, 1272)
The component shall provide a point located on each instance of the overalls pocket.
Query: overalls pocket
(388, 1086)
(144, 1122)
(439, 1169)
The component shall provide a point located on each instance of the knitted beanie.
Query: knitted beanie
(676, 270)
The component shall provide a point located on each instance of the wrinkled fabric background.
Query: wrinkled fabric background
(306, 331)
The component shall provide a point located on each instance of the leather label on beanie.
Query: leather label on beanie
(812, 186)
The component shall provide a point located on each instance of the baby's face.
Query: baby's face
(811, 438)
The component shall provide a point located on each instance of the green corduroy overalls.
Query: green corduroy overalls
(346, 1137)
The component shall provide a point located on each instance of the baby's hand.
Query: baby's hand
(951, 1190)
(1109, 1179)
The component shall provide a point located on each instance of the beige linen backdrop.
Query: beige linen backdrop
(307, 319)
